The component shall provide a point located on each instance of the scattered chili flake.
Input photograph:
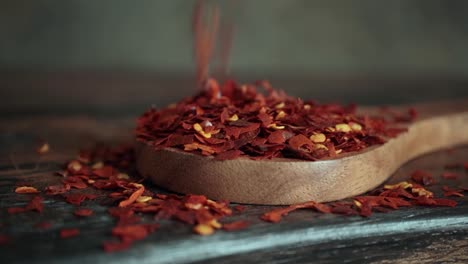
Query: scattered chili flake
(204, 215)
(452, 192)
(57, 189)
(69, 232)
(133, 232)
(132, 197)
(83, 212)
(78, 198)
(449, 175)
(422, 177)
(237, 225)
(115, 246)
(26, 189)
(465, 165)
(34, 205)
(240, 208)
(75, 182)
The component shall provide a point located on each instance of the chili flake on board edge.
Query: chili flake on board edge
(231, 120)
(107, 170)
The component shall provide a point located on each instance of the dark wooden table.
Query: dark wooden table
(414, 235)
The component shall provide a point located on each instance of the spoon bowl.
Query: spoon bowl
(288, 181)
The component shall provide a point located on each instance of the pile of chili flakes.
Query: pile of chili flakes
(230, 120)
(103, 173)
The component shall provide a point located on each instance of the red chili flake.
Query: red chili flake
(277, 137)
(134, 232)
(132, 197)
(57, 189)
(75, 182)
(34, 205)
(452, 192)
(423, 200)
(120, 212)
(276, 215)
(115, 246)
(69, 232)
(344, 209)
(449, 175)
(465, 165)
(83, 212)
(237, 225)
(422, 177)
(244, 122)
(240, 208)
(78, 198)
(26, 189)
(105, 172)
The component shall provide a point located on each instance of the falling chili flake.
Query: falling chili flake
(69, 232)
(26, 189)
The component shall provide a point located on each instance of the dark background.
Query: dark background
(121, 56)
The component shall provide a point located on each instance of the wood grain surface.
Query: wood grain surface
(412, 235)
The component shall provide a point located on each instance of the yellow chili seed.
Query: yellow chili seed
(320, 146)
(97, 165)
(318, 138)
(123, 176)
(233, 118)
(356, 127)
(357, 203)
(343, 128)
(143, 199)
(275, 126)
(403, 185)
(280, 105)
(280, 115)
(215, 224)
(203, 229)
(200, 130)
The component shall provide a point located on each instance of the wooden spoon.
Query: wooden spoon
(289, 181)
